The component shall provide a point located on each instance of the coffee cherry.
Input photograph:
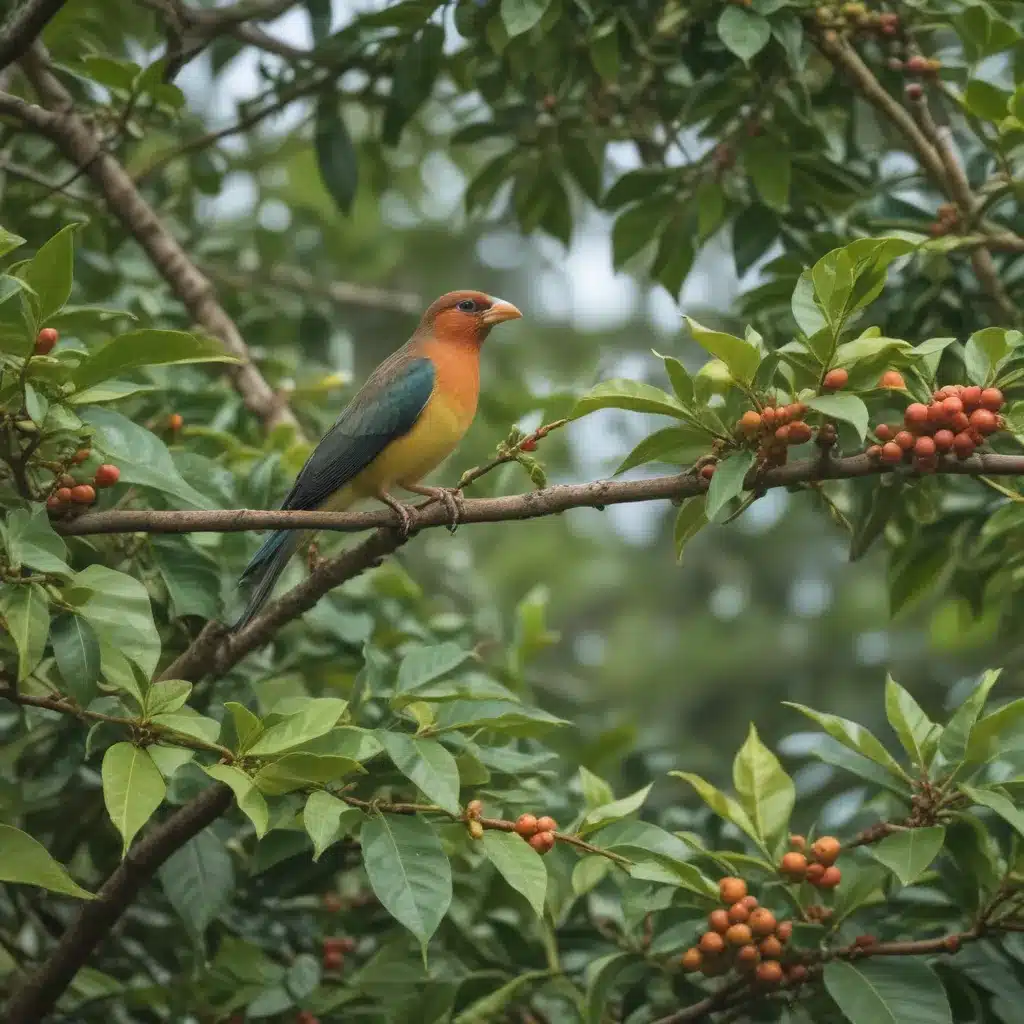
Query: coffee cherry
(799, 432)
(924, 448)
(963, 445)
(690, 960)
(546, 824)
(831, 878)
(992, 399)
(784, 931)
(826, 850)
(175, 421)
(770, 948)
(904, 439)
(984, 421)
(917, 64)
(83, 494)
(892, 379)
(943, 440)
(738, 913)
(914, 91)
(883, 432)
(80, 456)
(971, 397)
(731, 889)
(814, 873)
(782, 415)
(750, 423)
(793, 865)
(542, 842)
(708, 471)
(475, 829)
(526, 825)
(892, 453)
(916, 415)
(107, 475)
(827, 435)
(45, 340)
(836, 379)
(798, 842)
(747, 958)
(750, 902)
(738, 935)
(769, 415)
(797, 974)
(874, 451)
(769, 972)
(53, 502)
(762, 921)
(718, 921)
(711, 943)
(333, 959)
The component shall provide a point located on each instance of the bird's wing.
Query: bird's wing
(386, 407)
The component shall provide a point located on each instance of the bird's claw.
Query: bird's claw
(404, 520)
(451, 498)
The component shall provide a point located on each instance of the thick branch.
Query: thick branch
(531, 505)
(82, 146)
(22, 25)
(36, 997)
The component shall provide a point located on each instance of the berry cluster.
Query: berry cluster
(69, 491)
(744, 936)
(956, 422)
(814, 865)
(917, 65)
(538, 832)
(45, 340)
(947, 221)
(775, 428)
(857, 19)
(334, 951)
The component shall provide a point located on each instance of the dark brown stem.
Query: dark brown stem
(21, 27)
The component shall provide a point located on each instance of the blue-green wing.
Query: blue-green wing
(385, 408)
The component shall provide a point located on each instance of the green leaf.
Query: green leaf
(426, 764)
(133, 788)
(520, 16)
(728, 480)
(637, 227)
(189, 722)
(848, 408)
(492, 1007)
(9, 241)
(301, 770)
(996, 800)
(327, 819)
(984, 349)
(249, 799)
(957, 734)
(627, 394)
(722, 804)
(408, 871)
(50, 272)
(514, 719)
(768, 163)
(764, 789)
(682, 382)
(316, 718)
(675, 445)
(519, 864)
(909, 854)
(24, 861)
(192, 577)
(596, 792)
(888, 990)
(199, 880)
(118, 610)
(412, 82)
(25, 611)
(31, 541)
(166, 695)
(690, 520)
(140, 455)
(744, 32)
(985, 100)
(601, 976)
(77, 650)
(917, 732)
(604, 50)
(615, 810)
(425, 665)
(108, 391)
(147, 348)
(997, 732)
(853, 736)
(740, 356)
(336, 156)
(664, 870)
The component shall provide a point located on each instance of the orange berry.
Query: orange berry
(769, 972)
(891, 453)
(963, 445)
(797, 842)
(943, 440)
(916, 415)
(81, 455)
(814, 873)
(984, 421)
(747, 958)
(892, 379)
(971, 397)
(770, 948)
(917, 64)
(768, 417)
(711, 943)
(718, 921)
(784, 931)
(883, 432)
(750, 902)
(798, 410)
(951, 406)
(782, 415)
(992, 399)
(738, 913)
(750, 422)
(546, 824)
(175, 421)
(526, 825)
(793, 865)
(826, 850)
(924, 448)
(731, 889)
(874, 451)
(739, 935)
(762, 921)
(782, 434)
(83, 494)
(836, 379)
(542, 842)
(905, 440)
(937, 412)
(45, 340)
(107, 475)
(691, 959)
(831, 878)
(799, 432)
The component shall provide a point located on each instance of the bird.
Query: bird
(407, 418)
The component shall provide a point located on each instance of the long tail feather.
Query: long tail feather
(264, 569)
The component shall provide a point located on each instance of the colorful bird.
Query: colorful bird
(403, 422)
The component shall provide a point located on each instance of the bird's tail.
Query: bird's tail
(264, 569)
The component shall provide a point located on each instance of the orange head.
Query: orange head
(466, 315)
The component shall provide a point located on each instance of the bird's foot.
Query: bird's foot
(313, 557)
(403, 512)
(450, 497)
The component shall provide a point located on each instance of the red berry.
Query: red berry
(914, 91)
(924, 448)
(45, 340)
(784, 931)
(750, 902)
(831, 878)
(542, 842)
(836, 379)
(708, 471)
(526, 825)
(769, 972)
(690, 961)
(892, 379)
(952, 406)
(747, 957)
(943, 440)
(782, 434)
(546, 824)
(904, 440)
(333, 959)
(937, 412)
(738, 935)
(81, 455)
(731, 889)
(814, 873)
(971, 397)
(739, 913)
(718, 921)
(768, 417)
(891, 453)
(529, 444)
(959, 422)
(917, 64)
(984, 421)
(826, 850)
(770, 948)
(83, 494)
(107, 475)
(799, 432)
(53, 502)
(762, 921)
(874, 451)
(916, 415)
(883, 432)
(793, 865)
(175, 421)
(992, 399)
(711, 942)
(797, 841)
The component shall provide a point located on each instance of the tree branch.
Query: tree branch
(80, 144)
(22, 26)
(531, 505)
(38, 994)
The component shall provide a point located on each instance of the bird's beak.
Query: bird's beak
(499, 311)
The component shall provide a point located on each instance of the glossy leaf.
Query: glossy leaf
(49, 273)
(24, 861)
(25, 612)
(249, 799)
(627, 394)
(133, 788)
(909, 854)
(917, 732)
(728, 481)
(887, 990)
(743, 31)
(427, 764)
(740, 356)
(336, 155)
(851, 735)
(764, 789)
(327, 819)
(77, 651)
(519, 864)
(690, 520)
(198, 880)
(848, 408)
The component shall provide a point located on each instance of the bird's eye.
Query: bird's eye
(467, 306)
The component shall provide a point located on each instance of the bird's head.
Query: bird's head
(466, 315)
